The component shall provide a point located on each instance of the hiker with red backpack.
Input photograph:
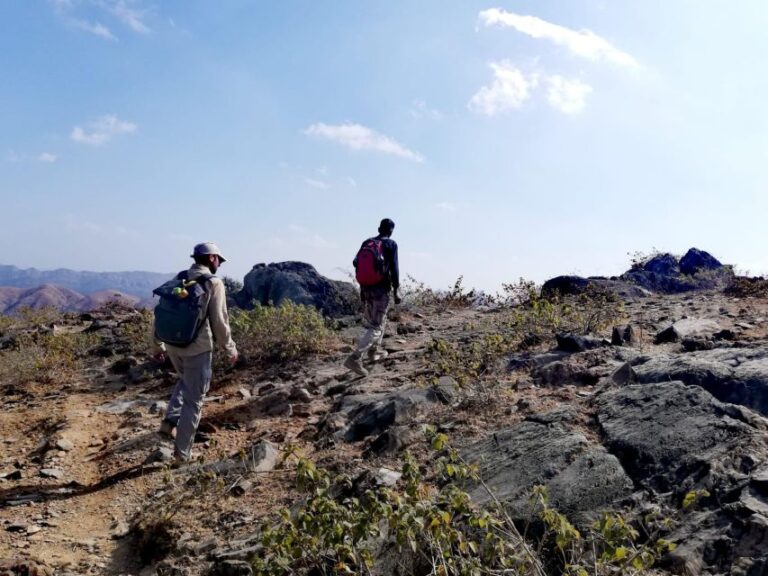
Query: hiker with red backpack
(190, 319)
(378, 273)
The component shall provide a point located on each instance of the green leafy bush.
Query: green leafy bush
(440, 531)
(280, 333)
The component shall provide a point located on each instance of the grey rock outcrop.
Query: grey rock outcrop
(297, 282)
(734, 375)
(672, 438)
(581, 477)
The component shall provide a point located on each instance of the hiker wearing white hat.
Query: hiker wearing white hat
(191, 316)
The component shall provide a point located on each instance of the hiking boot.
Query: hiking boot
(166, 429)
(377, 355)
(354, 364)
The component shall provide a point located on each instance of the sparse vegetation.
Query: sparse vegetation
(439, 531)
(42, 354)
(280, 333)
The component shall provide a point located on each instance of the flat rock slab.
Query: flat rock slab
(733, 375)
(581, 477)
(673, 438)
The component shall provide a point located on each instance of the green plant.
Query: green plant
(439, 531)
(468, 361)
(280, 333)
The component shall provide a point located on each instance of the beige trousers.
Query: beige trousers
(375, 306)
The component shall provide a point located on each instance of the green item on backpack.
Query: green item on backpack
(182, 310)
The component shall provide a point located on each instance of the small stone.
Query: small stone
(64, 445)
(162, 454)
(96, 442)
(120, 529)
(301, 395)
(244, 393)
(158, 407)
(261, 390)
(386, 477)
(51, 473)
(33, 529)
(205, 546)
(242, 487)
(302, 410)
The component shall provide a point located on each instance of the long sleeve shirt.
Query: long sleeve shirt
(216, 328)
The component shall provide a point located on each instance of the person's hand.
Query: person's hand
(232, 359)
(160, 357)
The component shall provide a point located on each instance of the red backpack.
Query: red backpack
(370, 269)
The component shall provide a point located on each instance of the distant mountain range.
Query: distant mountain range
(139, 284)
(74, 290)
(47, 295)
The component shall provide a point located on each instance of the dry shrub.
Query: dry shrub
(284, 333)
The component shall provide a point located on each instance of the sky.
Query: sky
(506, 140)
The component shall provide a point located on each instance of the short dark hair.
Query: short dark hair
(386, 226)
(201, 259)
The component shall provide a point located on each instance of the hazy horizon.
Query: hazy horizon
(505, 139)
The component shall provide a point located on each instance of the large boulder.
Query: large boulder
(697, 270)
(300, 283)
(696, 260)
(581, 477)
(565, 285)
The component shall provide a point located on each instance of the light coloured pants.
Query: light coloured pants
(375, 305)
(186, 404)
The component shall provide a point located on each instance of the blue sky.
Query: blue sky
(523, 138)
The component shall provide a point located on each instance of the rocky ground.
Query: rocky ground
(675, 399)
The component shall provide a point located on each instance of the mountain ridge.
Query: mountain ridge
(134, 283)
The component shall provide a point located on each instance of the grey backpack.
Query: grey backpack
(182, 310)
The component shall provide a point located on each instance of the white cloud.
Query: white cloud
(47, 157)
(567, 96)
(510, 89)
(446, 206)
(358, 137)
(419, 109)
(351, 181)
(128, 12)
(131, 17)
(101, 130)
(318, 184)
(94, 28)
(584, 43)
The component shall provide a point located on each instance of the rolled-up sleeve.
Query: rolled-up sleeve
(219, 317)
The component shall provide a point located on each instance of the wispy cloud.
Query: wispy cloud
(567, 96)
(510, 89)
(101, 130)
(420, 109)
(583, 43)
(47, 157)
(446, 207)
(128, 14)
(96, 28)
(351, 181)
(358, 137)
(81, 14)
(317, 184)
